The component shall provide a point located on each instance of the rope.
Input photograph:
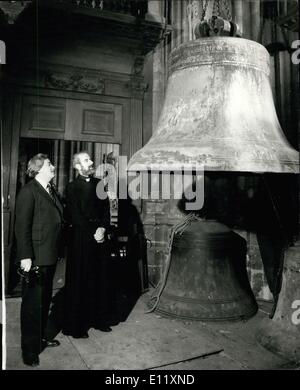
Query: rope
(179, 228)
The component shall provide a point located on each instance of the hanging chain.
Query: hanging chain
(216, 8)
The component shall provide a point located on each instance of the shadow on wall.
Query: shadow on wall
(264, 204)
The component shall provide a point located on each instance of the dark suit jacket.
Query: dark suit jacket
(38, 225)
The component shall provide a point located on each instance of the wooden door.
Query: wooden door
(60, 115)
(10, 145)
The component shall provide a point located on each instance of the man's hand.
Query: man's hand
(99, 234)
(26, 264)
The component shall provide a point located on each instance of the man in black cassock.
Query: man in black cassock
(88, 287)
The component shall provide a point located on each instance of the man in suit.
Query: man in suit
(88, 283)
(38, 234)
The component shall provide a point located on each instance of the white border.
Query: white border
(3, 303)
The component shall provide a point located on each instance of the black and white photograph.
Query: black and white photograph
(150, 187)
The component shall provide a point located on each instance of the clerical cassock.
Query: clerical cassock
(88, 284)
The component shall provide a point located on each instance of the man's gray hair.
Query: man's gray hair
(76, 159)
(35, 164)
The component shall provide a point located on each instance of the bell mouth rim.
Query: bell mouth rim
(294, 170)
(166, 161)
(205, 40)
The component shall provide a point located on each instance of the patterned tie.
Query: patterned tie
(51, 192)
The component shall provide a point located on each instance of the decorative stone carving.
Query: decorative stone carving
(217, 51)
(138, 66)
(75, 82)
(137, 88)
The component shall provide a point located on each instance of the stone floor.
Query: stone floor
(150, 341)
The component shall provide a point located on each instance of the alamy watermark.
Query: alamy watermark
(296, 313)
(296, 54)
(186, 184)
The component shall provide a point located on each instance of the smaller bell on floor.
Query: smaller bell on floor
(207, 279)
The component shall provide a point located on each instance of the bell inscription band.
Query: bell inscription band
(218, 112)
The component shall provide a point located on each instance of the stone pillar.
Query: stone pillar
(151, 208)
(156, 233)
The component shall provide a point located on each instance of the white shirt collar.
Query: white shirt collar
(41, 181)
(86, 178)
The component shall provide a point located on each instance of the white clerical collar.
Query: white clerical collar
(42, 182)
(85, 178)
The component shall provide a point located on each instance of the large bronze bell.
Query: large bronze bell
(219, 114)
(207, 277)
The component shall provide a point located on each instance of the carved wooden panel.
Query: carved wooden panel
(47, 118)
(43, 117)
(98, 122)
(95, 121)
